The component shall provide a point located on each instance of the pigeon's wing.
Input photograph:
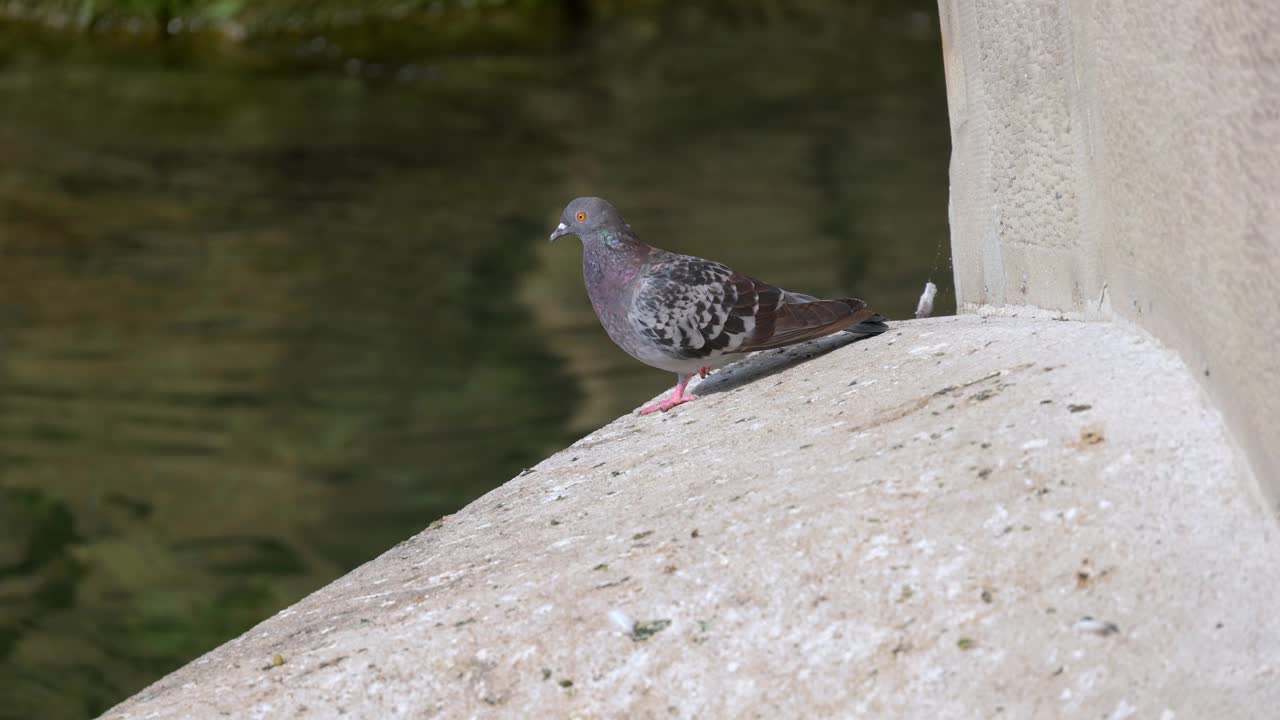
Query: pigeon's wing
(783, 318)
(691, 307)
(698, 309)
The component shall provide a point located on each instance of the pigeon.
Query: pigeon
(688, 315)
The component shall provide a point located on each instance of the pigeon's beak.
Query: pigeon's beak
(561, 229)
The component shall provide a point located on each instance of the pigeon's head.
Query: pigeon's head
(586, 217)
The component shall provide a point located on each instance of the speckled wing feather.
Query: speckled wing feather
(691, 308)
(697, 309)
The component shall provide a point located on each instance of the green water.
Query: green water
(257, 325)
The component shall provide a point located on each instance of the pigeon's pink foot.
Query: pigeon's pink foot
(677, 398)
(667, 404)
(704, 372)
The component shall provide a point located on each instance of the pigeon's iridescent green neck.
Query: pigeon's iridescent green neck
(613, 239)
(612, 257)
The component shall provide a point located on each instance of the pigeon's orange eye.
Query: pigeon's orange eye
(582, 216)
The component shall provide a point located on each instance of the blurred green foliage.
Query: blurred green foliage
(391, 30)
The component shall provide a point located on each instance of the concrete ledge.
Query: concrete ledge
(911, 526)
(1121, 160)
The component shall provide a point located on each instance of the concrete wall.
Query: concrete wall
(1122, 158)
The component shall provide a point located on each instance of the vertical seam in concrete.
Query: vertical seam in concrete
(970, 175)
(1093, 302)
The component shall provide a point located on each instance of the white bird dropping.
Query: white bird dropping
(622, 621)
(1093, 626)
(924, 308)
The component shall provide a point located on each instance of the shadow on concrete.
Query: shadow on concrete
(770, 362)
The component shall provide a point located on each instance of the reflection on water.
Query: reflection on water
(257, 327)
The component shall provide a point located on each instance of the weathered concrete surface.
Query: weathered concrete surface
(910, 526)
(1122, 158)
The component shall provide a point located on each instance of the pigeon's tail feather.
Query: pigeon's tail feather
(794, 322)
(873, 325)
